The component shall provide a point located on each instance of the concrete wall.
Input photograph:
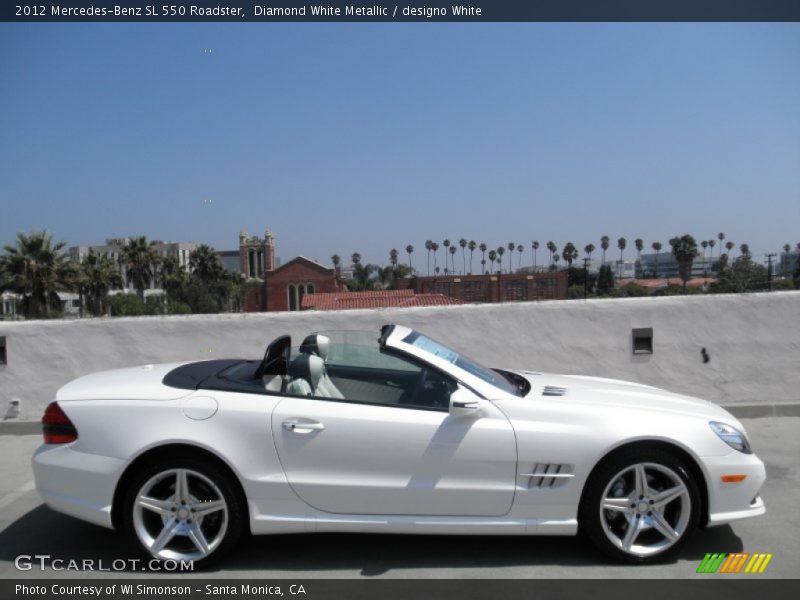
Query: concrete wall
(753, 342)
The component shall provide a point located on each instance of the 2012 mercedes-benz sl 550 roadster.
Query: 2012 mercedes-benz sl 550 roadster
(388, 432)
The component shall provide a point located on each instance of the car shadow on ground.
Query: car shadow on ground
(45, 532)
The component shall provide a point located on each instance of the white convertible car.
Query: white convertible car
(388, 433)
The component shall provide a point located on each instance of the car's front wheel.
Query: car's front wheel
(183, 510)
(639, 505)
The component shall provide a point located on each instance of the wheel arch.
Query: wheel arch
(686, 457)
(172, 450)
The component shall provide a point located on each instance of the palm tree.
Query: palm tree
(787, 248)
(535, 247)
(639, 243)
(453, 251)
(604, 243)
(435, 248)
(472, 245)
(500, 251)
(35, 268)
(139, 258)
(569, 253)
(482, 247)
(355, 258)
(446, 244)
(173, 277)
(511, 247)
(551, 246)
(555, 262)
(729, 245)
(98, 275)
(588, 249)
(684, 249)
(463, 243)
(520, 249)
(393, 254)
(657, 247)
(409, 250)
(429, 247)
(492, 258)
(336, 260)
(711, 243)
(435, 269)
(483, 266)
(704, 245)
(204, 263)
(745, 250)
(721, 237)
(621, 243)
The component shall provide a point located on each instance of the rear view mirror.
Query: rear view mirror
(463, 402)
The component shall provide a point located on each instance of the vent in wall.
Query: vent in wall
(548, 475)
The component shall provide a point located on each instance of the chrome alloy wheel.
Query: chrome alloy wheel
(645, 509)
(180, 514)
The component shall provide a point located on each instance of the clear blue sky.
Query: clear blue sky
(343, 138)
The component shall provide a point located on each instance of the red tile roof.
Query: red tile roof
(659, 283)
(373, 299)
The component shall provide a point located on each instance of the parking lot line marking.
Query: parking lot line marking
(11, 497)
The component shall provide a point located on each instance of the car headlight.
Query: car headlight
(730, 435)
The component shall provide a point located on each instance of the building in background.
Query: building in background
(282, 287)
(113, 249)
(514, 287)
(664, 265)
(788, 263)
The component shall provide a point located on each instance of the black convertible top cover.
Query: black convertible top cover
(228, 374)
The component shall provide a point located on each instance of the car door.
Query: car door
(374, 456)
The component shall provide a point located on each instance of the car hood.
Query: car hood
(613, 393)
(143, 382)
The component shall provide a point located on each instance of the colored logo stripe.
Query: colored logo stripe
(722, 562)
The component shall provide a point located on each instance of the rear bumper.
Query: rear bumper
(733, 501)
(77, 484)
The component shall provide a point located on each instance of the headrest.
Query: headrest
(316, 344)
(308, 367)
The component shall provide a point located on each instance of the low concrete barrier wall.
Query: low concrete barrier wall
(752, 342)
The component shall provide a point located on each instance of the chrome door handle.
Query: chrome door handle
(302, 427)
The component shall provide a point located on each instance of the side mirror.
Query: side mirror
(463, 403)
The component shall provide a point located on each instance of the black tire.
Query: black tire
(234, 519)
(590, 515)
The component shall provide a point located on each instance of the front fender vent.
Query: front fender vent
(553, 390)
(548, 475)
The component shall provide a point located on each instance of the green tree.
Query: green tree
(446, 245)
(36, 269)
(534, 247)
(453, 251)
(621, 244)
(463, 243)
(139, 258)
(569, 253)
(605, 242)
(639, 243)
(684, 249)
(500, 251)
(482, 247)
(393, 254)
(435, 248)
(605, 281)
(520, 249)
(492, 258)
(552, 248)
(740, 275)
(657, 247)
(511, 247)
(98, 275)
(472, 245)
(336, 260)
(409, 251)
(429, 247)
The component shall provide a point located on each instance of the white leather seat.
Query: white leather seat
(318, 346)
(308, 378)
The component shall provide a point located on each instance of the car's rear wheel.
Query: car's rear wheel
(183, 510)
(639, 506)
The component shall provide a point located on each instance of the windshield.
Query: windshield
(462, 362)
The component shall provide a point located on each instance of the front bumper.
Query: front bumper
(733, 501)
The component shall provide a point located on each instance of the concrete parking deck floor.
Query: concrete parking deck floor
(28, 527)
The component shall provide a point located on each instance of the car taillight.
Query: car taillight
(56, 426)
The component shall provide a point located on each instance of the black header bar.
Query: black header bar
(400, 11)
